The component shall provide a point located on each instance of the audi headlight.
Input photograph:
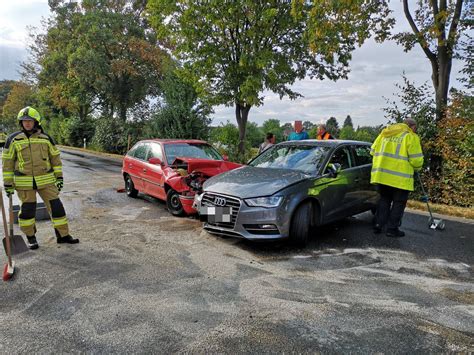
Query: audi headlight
(272, 201)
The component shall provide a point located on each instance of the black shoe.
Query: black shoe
(395, 233)
(67, 239)
(377, 229)
(32, 242)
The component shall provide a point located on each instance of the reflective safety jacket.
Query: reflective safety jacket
(324, 136)
(396, 155)
(30, 162)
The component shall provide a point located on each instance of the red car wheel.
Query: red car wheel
(174, 203)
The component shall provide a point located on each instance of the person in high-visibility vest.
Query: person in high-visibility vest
(31, 164)
(397, 155)
(322, 133)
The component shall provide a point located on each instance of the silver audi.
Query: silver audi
(288, 189)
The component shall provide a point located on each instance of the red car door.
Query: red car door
(153, 177)
(135, 165)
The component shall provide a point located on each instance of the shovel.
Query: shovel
(17, 244)
(433, 223)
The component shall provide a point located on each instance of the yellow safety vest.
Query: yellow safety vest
(396, 155)
(30, 162)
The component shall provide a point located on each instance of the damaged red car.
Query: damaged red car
(172, 170)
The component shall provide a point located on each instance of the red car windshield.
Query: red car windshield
(190, 150)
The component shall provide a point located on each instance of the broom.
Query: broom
(9, 268)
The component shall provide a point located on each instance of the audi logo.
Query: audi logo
(220, 201)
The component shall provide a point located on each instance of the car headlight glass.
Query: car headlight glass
(272, 201)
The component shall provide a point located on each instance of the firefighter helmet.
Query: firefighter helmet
(29, 113)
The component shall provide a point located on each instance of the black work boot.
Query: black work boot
(395, 233)
(67, 239)
(377, 229)
(32, 242)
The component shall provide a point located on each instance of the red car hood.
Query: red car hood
(206, 166)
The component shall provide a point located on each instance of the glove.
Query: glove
(59, 183)
(9, 189)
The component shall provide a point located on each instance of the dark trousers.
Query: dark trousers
(391, 206)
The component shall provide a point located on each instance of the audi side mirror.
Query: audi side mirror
(155, 161)
(225, 157)
(333, 169)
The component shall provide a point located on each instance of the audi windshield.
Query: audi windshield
(304, 158)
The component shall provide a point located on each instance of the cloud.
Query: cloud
(10, 62)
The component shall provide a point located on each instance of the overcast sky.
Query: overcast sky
(375, 69)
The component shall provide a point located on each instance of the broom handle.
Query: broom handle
(10, 212)
(5, 229)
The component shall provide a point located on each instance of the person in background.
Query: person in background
(269, 141)
(323, 134)
(31, 165)
(397, 155)
(299, 133)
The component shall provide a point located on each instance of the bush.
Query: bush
(110, 135)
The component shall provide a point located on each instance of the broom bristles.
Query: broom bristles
(8, 271)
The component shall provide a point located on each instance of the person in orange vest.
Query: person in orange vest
(322, 133)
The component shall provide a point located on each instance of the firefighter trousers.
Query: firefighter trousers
(50, 196)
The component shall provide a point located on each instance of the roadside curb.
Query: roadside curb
(443, 216)
(115, 158)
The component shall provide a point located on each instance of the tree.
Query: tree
(308, 125)
(437, 27)
(347, 132)
(254, 135)
(416, 102)
(332, 126)
(5, 88)
(234, 50)
(21, 95)
(181, 114)
(96, 52)
(348, 122)
(272, 125)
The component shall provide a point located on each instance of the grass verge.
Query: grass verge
(443, 209)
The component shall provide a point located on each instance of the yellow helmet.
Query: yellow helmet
(29, 113)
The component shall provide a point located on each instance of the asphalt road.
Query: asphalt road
(144, 281)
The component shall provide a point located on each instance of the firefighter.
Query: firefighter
(322, 133)
(397, 155)
(31, 164)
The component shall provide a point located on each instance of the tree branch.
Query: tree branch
(431, 56)
(434, 4)
(454, 23)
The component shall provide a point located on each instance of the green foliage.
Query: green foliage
(273, 126)
(181, 114)
(348, 122)
(456, 146)
(367, 133)
(96, 54)
(347, 132)
(20, 95)
(417, 103)
(110, 135)
(332, 126)
(5, 88)
(254, 135)
(226, 139)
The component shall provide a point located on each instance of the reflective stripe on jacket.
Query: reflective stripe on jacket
(27, 159)
(396, 155)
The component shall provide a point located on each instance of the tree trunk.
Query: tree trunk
(242, 114)
(441, 84)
